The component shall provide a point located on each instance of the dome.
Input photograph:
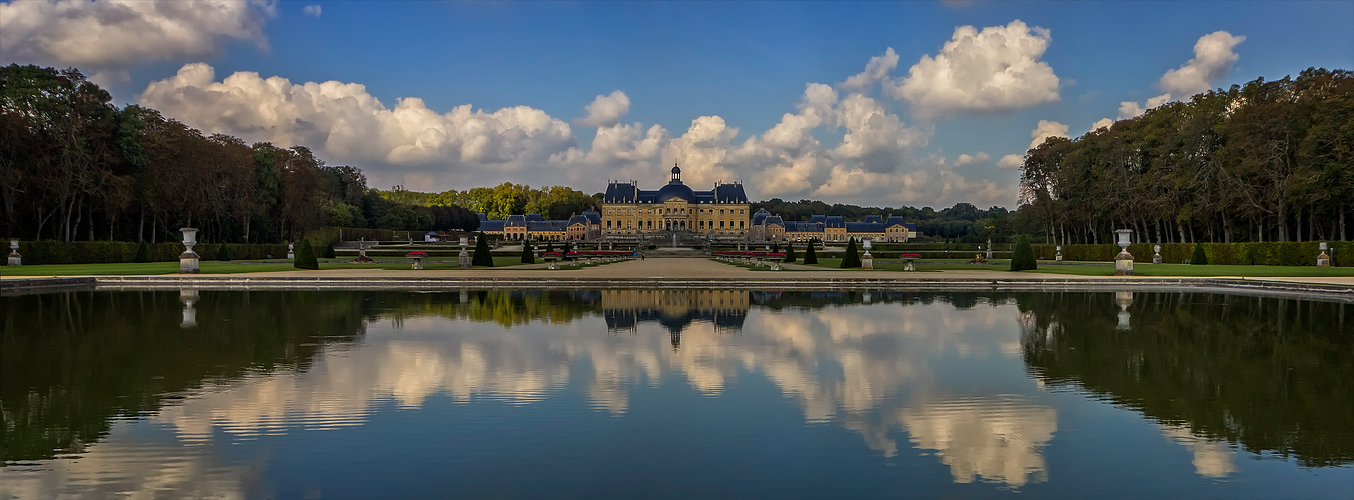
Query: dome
(676, 170)
(671, 191)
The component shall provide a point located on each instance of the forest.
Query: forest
(1262, 162)
(75, 167)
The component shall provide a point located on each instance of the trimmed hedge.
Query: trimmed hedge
(1244, 254)
(110, 252)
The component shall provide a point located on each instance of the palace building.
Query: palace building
(721, 211)
(830, 228)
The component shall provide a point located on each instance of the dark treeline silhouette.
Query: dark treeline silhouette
(1264, 161)
(75, 167)
(963, 221)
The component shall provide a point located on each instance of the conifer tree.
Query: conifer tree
(1200, 258)
(329, 252)
(142, 253)
(223, 254)
(810, 256)
(1022, 259)
(852, 257)
(305, 256)
(482, 257)
(790, 252)
(528, 257)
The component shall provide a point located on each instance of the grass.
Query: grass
(1107, 269)
(217, 267)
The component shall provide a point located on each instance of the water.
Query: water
(675, 394)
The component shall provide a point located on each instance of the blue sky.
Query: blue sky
(528, 69)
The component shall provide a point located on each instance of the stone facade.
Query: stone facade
(626, 209)
(830, 228)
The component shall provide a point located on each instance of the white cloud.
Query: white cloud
(110, 36)
(1011, 161)
(1131, 109)
(1101, 123)
(997, 69)
(605, 110)
(876, 70)
(1213, 58)
(311, 10)
(349, 125)
(965, 160)
(1046, 129)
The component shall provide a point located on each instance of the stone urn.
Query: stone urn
(867, 260)
(1322, 260)
(1059, 257)
(14, 258)
(463, 260)
(1123, 263)
(1156, 257)
(188, 260)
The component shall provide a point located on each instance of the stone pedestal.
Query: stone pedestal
(867, 261)
(14, 258)
(1322, 260)
(1123, 263)
(291, 254)
(1059, 257)
(463, 260)
(188, 260)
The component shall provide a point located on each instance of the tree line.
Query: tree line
(1265, 161)
(73, 166)
(498, 202)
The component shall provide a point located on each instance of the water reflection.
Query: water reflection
(942, 374)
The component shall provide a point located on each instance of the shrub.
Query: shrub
(223, 254)
(329, 252)
(527, 256)
(142, 253)
(482, 257)
(852, 257)
(1200, 258)
(1022, 259)
(790, 252)
(305, 257)
(810, 256)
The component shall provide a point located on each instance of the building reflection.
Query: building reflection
(675, 310)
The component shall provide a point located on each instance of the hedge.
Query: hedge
(105, 252)
(1245, 254)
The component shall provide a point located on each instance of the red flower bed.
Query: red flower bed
(416, 254)
(910, 256)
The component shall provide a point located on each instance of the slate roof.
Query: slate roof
(629, 193)
(803, 227)
(483, 216)
(834, 221)
(578, 219)
(864, 227)
(818, 218)
(514, 221)
(593, 215)
(534, 218)
(547, 225)
(759, 216)
(492, 225)
(774, 220)
(874, 218)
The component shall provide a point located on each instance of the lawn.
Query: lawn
(216, 267)
(1107, 269)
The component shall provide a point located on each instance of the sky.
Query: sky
(874, 103)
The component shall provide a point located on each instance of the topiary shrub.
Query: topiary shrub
(528, 257)
(329, 252)
(223, 254)
(1022, 259)
(482, 257)
(810, 256)
(852, 257)
(1200, 258)
(305, 257)
(790, 252)
(142, 253)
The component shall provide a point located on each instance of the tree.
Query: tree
(528, 257)
(810, 256)
(790, 252)
(852, 257)
(223, 254)
(1199, 258)
(1022, 259)
(142, 253)
(482, 257)
(329, 252)
(305, 256)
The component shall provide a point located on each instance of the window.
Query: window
(608, 224)
(721, 224)
(740, 224)
(721, 211)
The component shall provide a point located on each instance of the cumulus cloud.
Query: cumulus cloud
(965, 160)
(1101, 123)
(1131, 109)
(311, 10)
(110, 36)
(876, 70)
(1046, 129)
(346, 123)
(605, 110)
(996, 69)
(1011, 161)
(1213, 58)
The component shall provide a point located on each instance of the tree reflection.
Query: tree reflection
(1269, 374)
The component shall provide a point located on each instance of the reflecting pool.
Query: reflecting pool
(675, 393)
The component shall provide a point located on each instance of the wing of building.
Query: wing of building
(767, 227)
(627, 209)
